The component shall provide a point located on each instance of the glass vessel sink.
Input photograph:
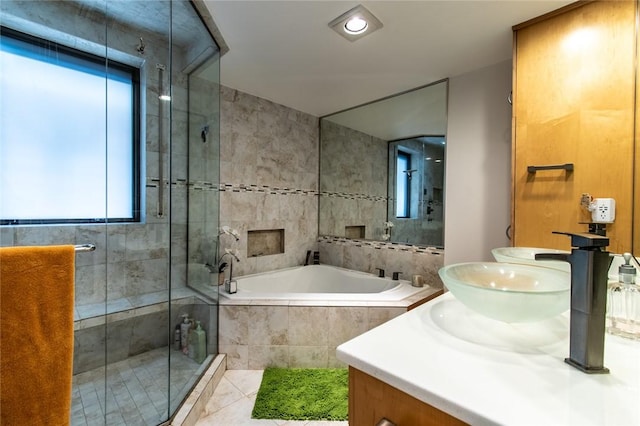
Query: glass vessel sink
(526, 256)
(509, 292)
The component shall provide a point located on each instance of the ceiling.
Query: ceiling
(284, 51)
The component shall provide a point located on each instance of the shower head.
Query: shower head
(140, 47)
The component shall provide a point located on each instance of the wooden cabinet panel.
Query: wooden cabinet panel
(371, 400)
(574, 88)
(636, 185)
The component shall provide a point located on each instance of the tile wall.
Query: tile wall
(367, 256)
(269, 175)
(255, 337)
(353, 189)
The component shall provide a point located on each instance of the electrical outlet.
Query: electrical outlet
(604, 210)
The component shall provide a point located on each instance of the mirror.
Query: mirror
(359, 168)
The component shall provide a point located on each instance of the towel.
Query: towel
(36, 335)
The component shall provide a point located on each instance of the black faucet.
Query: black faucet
(380, 272)
(589, 269)
(316, 257)
(396, 276)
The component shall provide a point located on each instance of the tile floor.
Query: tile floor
(233, 400)
(134, 391)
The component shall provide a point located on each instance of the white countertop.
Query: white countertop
(487, 372)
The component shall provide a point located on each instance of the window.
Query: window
(403, 184)
(69, 140)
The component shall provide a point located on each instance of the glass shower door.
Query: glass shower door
(194, 199)
(143, 122)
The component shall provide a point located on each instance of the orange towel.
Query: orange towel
(36, 335)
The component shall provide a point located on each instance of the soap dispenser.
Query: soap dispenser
(627, 272)
(623, 302)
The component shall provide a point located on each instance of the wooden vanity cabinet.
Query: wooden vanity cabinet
(371, 400)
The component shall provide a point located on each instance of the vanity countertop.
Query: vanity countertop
(487, 372)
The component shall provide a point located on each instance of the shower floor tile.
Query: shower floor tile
(135, 390)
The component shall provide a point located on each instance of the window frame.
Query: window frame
(407, 185)
(94, 62)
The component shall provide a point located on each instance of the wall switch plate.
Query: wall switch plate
(604, 210)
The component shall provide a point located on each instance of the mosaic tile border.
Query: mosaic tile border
(356, 196)
(266, 189)
(155, 183)
(379, 245)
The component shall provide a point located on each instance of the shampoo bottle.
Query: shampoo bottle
(198, 344)
(185, 326)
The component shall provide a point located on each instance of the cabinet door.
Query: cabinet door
(371, 400)
(574, 91)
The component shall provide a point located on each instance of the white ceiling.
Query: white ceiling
(284, 51)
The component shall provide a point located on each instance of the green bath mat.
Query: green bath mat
(303, 394)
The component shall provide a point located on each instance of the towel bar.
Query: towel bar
(85, 247)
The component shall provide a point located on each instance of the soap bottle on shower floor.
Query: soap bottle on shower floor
(176, 338)
(185, 326)
(198, 344)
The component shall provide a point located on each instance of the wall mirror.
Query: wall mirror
(360, 169)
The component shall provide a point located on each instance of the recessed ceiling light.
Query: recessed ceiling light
(355, 23)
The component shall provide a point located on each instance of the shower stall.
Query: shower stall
(109, 135)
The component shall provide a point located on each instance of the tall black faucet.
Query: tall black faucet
(589, 269)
